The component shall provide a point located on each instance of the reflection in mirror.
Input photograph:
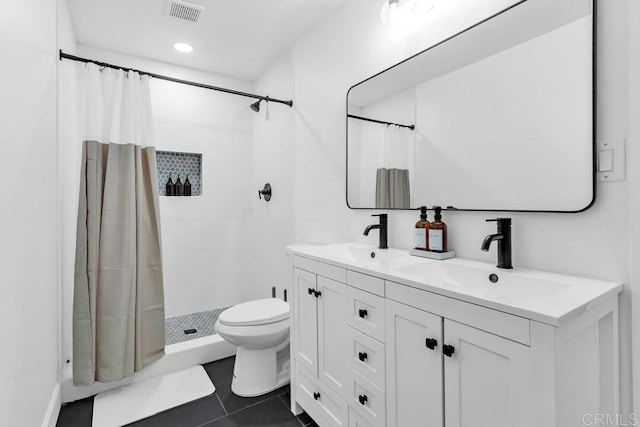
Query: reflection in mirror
(503, 116)
(395, 159)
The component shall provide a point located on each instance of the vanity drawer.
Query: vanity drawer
(366, 357)
(320, 402)
(365, 282)
(366, 399)
(355, 420)
(365, 312)
(320, 268)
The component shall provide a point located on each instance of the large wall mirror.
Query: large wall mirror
(498, 117)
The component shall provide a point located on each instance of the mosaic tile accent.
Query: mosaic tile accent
(203, 322)
(183, 164)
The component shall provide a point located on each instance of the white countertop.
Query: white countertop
(537, 295)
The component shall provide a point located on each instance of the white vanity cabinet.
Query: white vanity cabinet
(319, 343)
(477, 379)
(486, 379)
(390, 349)
(320, 335)
(414, 366)
(500, 370)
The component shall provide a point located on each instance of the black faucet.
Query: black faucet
(383, 230)
(504, 242)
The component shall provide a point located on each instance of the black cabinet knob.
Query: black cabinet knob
(311, 291)
(448, 350)
(362, 356)
(362, 313)
(362, 399)
(431, 343)
(316, 395)
(318, 293)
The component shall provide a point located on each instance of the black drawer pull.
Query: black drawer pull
(316, 395)
(318, 293)
(311, 291)
(362, 399)
(431, 343)
(362, 356)
(448, 350)
(362, 313)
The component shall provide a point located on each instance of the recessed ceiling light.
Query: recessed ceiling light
(183, 47)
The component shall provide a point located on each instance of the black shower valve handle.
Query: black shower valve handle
(266, 192)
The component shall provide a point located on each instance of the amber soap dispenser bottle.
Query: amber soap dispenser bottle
(422, 231)
(437, 239)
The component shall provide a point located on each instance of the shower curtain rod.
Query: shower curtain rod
(366, 119)
(173, 79)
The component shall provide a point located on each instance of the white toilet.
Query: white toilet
(260, 330)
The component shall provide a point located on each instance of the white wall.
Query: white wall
(29, 312)
(351, 46)
(68, 177)
(272, 223)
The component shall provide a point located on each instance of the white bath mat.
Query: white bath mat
(133, 402)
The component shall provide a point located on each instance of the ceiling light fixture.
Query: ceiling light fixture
(183, 47)
(399, 12)
(420, 7)
(389, 11)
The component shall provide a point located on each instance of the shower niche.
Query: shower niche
(173, 164)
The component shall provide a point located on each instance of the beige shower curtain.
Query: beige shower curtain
(118, 306)
(118, 297)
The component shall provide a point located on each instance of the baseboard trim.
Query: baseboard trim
(53, 410)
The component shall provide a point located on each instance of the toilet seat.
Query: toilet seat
(257, 312)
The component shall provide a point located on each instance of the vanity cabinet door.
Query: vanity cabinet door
(332, 333)
(414, 369)
(486, 379)
(306, 320)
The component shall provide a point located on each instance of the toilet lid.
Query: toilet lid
(258, 312)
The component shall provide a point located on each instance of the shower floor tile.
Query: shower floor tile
(203, 322)
(221, 409)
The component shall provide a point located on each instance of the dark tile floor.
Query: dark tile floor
(221, 409)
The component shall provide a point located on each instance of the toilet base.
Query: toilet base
(256, 372)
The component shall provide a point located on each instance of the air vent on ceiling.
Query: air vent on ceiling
(184, 10)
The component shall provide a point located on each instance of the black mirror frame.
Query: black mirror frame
(451, 208)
